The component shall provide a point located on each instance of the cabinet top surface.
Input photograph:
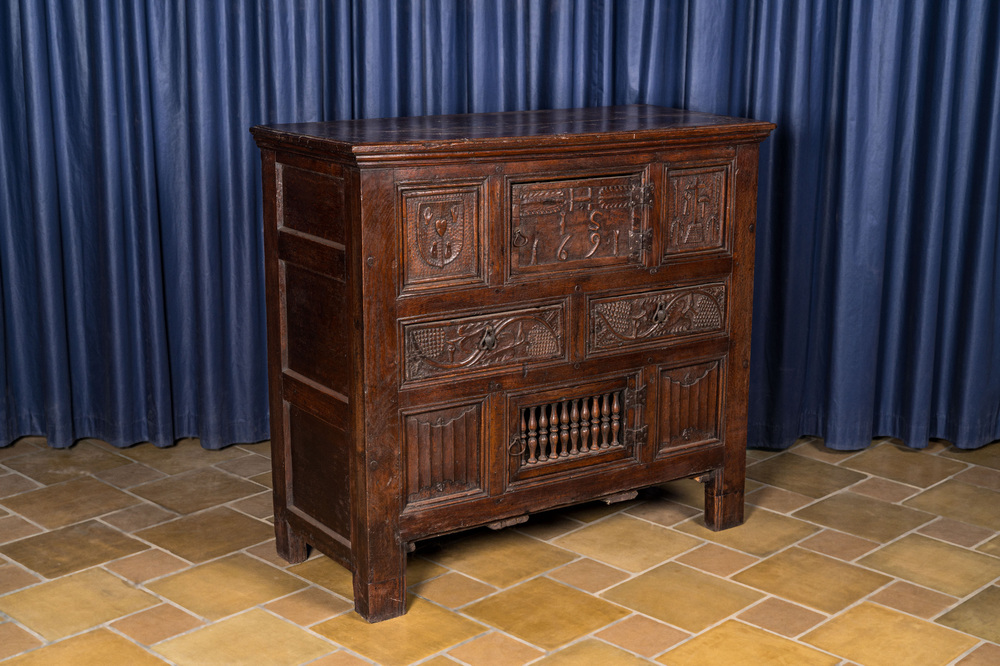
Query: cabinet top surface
(509, 130)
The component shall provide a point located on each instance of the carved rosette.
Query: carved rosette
(437, 348)
(622, 320)
(697, 209)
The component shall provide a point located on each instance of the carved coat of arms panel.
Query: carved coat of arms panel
(441, 236)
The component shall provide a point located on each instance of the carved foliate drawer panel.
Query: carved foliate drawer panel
(472, 343)
(691, 405)
(573, 427)
(442, 453)
(697, 201)
(651, 317)
(558, 225)
(441, 237)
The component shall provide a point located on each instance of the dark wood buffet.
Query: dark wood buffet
(473, 318)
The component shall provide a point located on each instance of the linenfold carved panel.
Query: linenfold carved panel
(563, 224)
(690, 405)
(618, 321)
(441, 236)
(469, 343)
(697, 209)
(443, 452)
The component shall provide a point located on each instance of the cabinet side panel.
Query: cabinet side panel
(312, 203)
(320, 457)
(316, 316)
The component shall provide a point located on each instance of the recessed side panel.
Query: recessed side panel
(691, 405)
(316, 327)
(572, 223)
(442, 236)
(697, 209)
(311, 202)
(320, 467)
(443, 454)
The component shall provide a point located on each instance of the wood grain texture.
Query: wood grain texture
(474, 318)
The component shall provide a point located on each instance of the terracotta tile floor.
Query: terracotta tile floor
(143, 555)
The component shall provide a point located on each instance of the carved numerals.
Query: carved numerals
(442, 237)
(618, 321)
(564, 224)
(443, 452)
(440, 347)
(696, 215)
(690, 405)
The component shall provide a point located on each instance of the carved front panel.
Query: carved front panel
(441, 237)
(470, 343)
(443, 453)
(563, 224)
(619, 321)
(690, 405)
(696, 215)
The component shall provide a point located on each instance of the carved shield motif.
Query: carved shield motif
(440, 231)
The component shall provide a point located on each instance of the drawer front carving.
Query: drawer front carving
(634, 320)
(691, 405)
(443, 453)
(569, 428)
(441, 232)
(472, 343)
(560, 225)
(697, 201)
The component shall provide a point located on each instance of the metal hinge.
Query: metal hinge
(641, 196)
(636, 396)
(637, 436)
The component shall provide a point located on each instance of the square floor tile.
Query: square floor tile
(782, 617)
(980, 476)
(986, 654)
(13, 577)
(962, 502)
(812, 579)
(904, 465)
(592, 651)
(452, 590)
(424, 630)
(642, 635)
(884, 489)
(138, 517)
(255, 637)
(500, 558)
(737, 643)
(14, 484)
(763, 533)
(49, 466)
(626, 543)
(156, 624)
(662, 511)
(706, 599)
(198, 489)
(876, 636)
(495, 649)
(309, 606)
(991, 547)
(69, 502)
(129, 475)
(207, 535)
(72, 548)
(865, 517)
(246, 466)
(226, 586)
(588, 575)
(777, 499)
(913, 599)
(96, 648)
(545, 613)
(547, 525)
(185, 455)
(804, 476)
(987, 456)
(83, 600)
(717, 560)
(14, 528)
(935, 564)
(837, 544)
(979, 616)
(956, 532)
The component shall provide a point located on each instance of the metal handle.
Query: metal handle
(660, 315)
(519, 239)
(489, 339)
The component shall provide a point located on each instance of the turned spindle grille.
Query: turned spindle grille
(570, 428)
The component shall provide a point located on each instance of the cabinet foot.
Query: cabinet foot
(376, 602)
(722, 510)
(290, 545)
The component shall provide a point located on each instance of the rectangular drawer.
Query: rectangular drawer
(652, 317)
(465, 344)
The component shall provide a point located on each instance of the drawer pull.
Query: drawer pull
(660, 315)
(519, 240)
(489, 340)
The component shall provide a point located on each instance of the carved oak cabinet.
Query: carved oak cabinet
(472, 318)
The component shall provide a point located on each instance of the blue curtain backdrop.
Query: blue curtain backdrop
(130, 242)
